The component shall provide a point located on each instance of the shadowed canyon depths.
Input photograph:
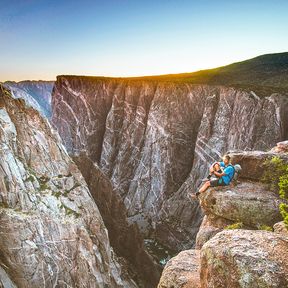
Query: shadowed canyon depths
(155, 140)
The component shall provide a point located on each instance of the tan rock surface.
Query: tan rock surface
(211, 225)
(281, 228)
(249, 202)
(182, 271)
(246, 259)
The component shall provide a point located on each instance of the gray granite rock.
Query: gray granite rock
(37, 94)
(52, 234)
(125, 238)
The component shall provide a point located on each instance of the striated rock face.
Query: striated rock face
(37, 94)
(244, 258)
(155, 141)
(182, 271)
(52, 234)
(124, 238)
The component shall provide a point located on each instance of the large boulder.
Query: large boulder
(246, 259)
(182, 271)
(251, 203)
(253, 162)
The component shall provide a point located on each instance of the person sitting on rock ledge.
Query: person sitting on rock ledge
(224, 173)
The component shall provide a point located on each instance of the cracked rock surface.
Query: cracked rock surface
(52, 234)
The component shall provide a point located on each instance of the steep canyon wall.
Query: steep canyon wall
(155, 140)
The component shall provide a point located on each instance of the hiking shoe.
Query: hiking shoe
(205, 179)
(194, 196)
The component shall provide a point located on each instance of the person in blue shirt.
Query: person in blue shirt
(224, 173)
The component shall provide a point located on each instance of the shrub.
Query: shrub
(237, 225)
(284, 213)
(276, 176)
(265, 227)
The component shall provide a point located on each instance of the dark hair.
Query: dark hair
(227, 157)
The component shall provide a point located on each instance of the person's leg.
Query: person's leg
(214, 167)
(217, 167)
(204, 187)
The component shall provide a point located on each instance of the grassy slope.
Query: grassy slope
(264, 74)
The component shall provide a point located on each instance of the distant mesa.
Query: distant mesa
(263, 74)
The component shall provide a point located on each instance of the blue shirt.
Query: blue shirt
(229, 173)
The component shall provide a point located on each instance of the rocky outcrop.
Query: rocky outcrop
(250, 203)
(281, 228)
(182, 271)
(125, 238)
(52, 234)
(243, 258)
(240, 258)
(36, 94)
(155, 140)
(5, 281)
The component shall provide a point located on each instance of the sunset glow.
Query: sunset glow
(43, 39)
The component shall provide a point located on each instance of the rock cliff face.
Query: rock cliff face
(155, 140)
(52, 234)
(37, 94)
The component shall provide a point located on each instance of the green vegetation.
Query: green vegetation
(69, 211)
(74, 186)
(274, 169)
(276, 177)
(6, 182)
(237, 225)
(4, 205)
(265, 227)
(57, 194)
(30, 178)
(44, 186)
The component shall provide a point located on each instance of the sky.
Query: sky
(42, 39)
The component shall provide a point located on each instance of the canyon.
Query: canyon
(155, 141)
(94, 168)
(52, 232)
